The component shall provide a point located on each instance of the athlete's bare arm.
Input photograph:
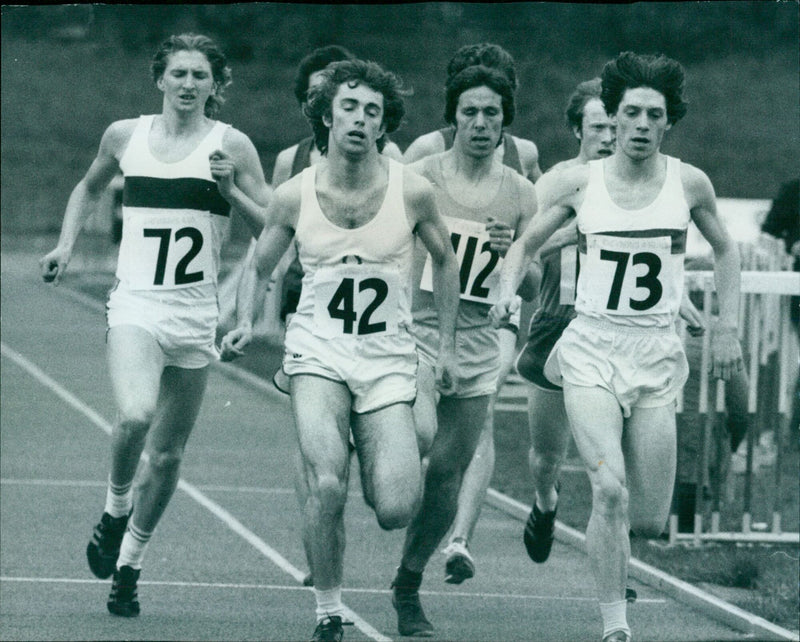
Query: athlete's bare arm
(282, 171)
(240, 179)
(426, 145)
(282, 213)
(432, 231)
(86, 196)
(726, 351)
(529, 158)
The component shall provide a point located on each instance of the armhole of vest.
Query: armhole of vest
(136, 136)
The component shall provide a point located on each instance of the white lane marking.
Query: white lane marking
(94, 484)
(232, 523)
(285, 587)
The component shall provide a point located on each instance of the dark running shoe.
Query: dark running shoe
(103, 550)
(630, 595)
(331, 629)
(539, 534)
(123, 599)
(411, 618)
(459, 565)
(308, 580)
(618, 636)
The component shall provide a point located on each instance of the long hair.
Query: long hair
(630, 70)
(487, 54)
(220, 71)
(354, 72)
(317, 60)
(478, 76)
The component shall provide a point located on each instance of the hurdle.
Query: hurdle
(770, 343)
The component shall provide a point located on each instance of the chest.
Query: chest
(634, 195)
(351, 209)
(172, 149)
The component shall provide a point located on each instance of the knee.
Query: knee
(544, 462)
(134, 423)
(166, 461)
(331, 492)
(394, 515)
(610, 495)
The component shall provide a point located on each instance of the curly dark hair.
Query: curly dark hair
(630, 70)
(478, 76)
(354, 72)
(206, 46)
(317, 60)
(583, 93)
(487, 54)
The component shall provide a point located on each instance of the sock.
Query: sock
(119, 499)
(614, 617)
(329, 602)
(133, 547)
(407, 581)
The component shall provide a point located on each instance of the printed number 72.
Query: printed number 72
(181, 276)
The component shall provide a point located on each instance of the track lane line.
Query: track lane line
(234, 524)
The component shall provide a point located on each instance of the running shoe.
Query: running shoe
(331, 629)
(459, 565)
(630, 595)
(308, 580)
(618, 636)
(103, 549)
(411, 618)
(539, 533)
(124, 600)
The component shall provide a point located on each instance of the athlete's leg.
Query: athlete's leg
(596, 421)
(649, 446)
(386, 445)
(550, 434)
(460, 422)
(135, 363)
(322, 413)
(179, 404)
(478, 475)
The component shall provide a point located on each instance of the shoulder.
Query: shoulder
(237, 142)
(285, 200)
(696, 185)
(391, 150)
(527, 149)
(115, 138)
(566, 183)
(283, 165)
(425, 145)
(417, 190)
(562, 165)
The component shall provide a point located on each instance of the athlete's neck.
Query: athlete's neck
(473, 168)
(176, 124)
(356, 172)
(637, 170)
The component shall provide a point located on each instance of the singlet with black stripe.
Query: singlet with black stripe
(510, 152)
(356, 282)
(631, 260)
(174, 218)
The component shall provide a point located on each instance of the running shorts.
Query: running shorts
(641, 367)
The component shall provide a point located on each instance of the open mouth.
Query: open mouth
(604, 152)
(640, 141)
(357, 134)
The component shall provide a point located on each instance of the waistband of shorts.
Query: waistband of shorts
(605, 324)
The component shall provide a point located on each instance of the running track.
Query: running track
(226, 562)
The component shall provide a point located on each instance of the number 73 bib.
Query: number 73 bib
(355, 301)
(166, 252)
(629, 275)
(479, 265)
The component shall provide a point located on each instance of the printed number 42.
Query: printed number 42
(342, 305)
(182, 277)
(649, 280)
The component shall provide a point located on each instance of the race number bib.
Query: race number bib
(355, 301)
(167, 252)
(479, 265)
(569, 275)
(624, 275)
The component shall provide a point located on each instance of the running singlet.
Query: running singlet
(479, 266)
(356, 282)
(631, 261)
(174, 219)
(510, 152)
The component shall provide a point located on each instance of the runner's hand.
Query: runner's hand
(726, 353)
(502, 311)
(501, 236)
(233, 343)
(53, 265)
(223, 170)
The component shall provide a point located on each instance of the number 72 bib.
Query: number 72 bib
(479, 265)
(166, 252)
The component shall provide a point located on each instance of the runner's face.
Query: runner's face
(187, 81)
(598, 131)
(641, 122)
(479, 121)
(356, 121)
